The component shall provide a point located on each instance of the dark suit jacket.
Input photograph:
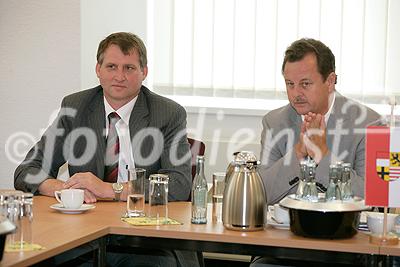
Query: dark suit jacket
(345, 140)
(77, 136)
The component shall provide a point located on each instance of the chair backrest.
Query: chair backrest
(197, 148)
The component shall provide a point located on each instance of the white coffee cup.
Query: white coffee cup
(375, 222)
(70, 198)
(281, 214)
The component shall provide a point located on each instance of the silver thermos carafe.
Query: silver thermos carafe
(244, 197)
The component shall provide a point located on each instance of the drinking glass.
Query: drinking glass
(11, 211)
(18, 208)
(24, 224)
(135, 196)
(158, 197)
(218, 195)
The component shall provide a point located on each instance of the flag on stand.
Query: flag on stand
(382, 166)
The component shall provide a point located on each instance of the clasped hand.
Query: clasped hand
(312, 140)
(93, 186)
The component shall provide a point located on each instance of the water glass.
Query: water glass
(135, 194)
(397, 223)
(24, 223)
(18, 208)
(218, 195)
(158, 197)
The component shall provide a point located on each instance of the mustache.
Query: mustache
(299, 99)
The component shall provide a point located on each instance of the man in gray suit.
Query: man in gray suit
(151, 133)
(153, 126)
(318, 123)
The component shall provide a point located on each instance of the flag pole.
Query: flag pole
(387, 238)
(385, 209)
(392, 103)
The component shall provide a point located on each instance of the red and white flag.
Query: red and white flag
(382, 168)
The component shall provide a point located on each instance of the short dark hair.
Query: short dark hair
(127, 42)
(325, 58)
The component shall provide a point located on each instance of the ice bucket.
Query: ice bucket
(333, 219)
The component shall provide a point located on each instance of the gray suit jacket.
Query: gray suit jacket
(345, 139)
(77, 136)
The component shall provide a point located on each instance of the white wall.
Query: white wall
(223, 133)
(99, 18)
(39, 64)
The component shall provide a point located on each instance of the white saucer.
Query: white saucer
(284, 226)
(83, 208)
(273, 223)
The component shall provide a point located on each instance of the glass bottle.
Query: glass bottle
(333, 190)
(339, 165)
(302, 181)
(339, 180)
(347, 193)
(310, 192)
(199, 194)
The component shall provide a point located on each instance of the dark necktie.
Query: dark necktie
(112, 150)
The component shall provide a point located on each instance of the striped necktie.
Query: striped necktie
(112, 150)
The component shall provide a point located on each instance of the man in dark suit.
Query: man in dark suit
(101, 131)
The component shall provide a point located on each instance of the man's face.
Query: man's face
(306, 90)
(120, 76)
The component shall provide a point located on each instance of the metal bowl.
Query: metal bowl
(333, 219)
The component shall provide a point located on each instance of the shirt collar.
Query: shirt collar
(330, 108)
(124, 112)
(328, 113)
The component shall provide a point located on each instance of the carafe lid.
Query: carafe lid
(244, 156)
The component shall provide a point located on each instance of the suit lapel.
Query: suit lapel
(138, 120)
(337, 112)
(96, 121)
(337, 118)
(295, 121)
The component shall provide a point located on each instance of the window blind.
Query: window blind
(235, 48)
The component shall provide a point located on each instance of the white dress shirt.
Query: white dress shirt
(327, 114)
(122, 127)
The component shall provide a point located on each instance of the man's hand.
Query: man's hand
(48, 186)
(315, 136)
(300, 148)
(89, 197)
(90, 182)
